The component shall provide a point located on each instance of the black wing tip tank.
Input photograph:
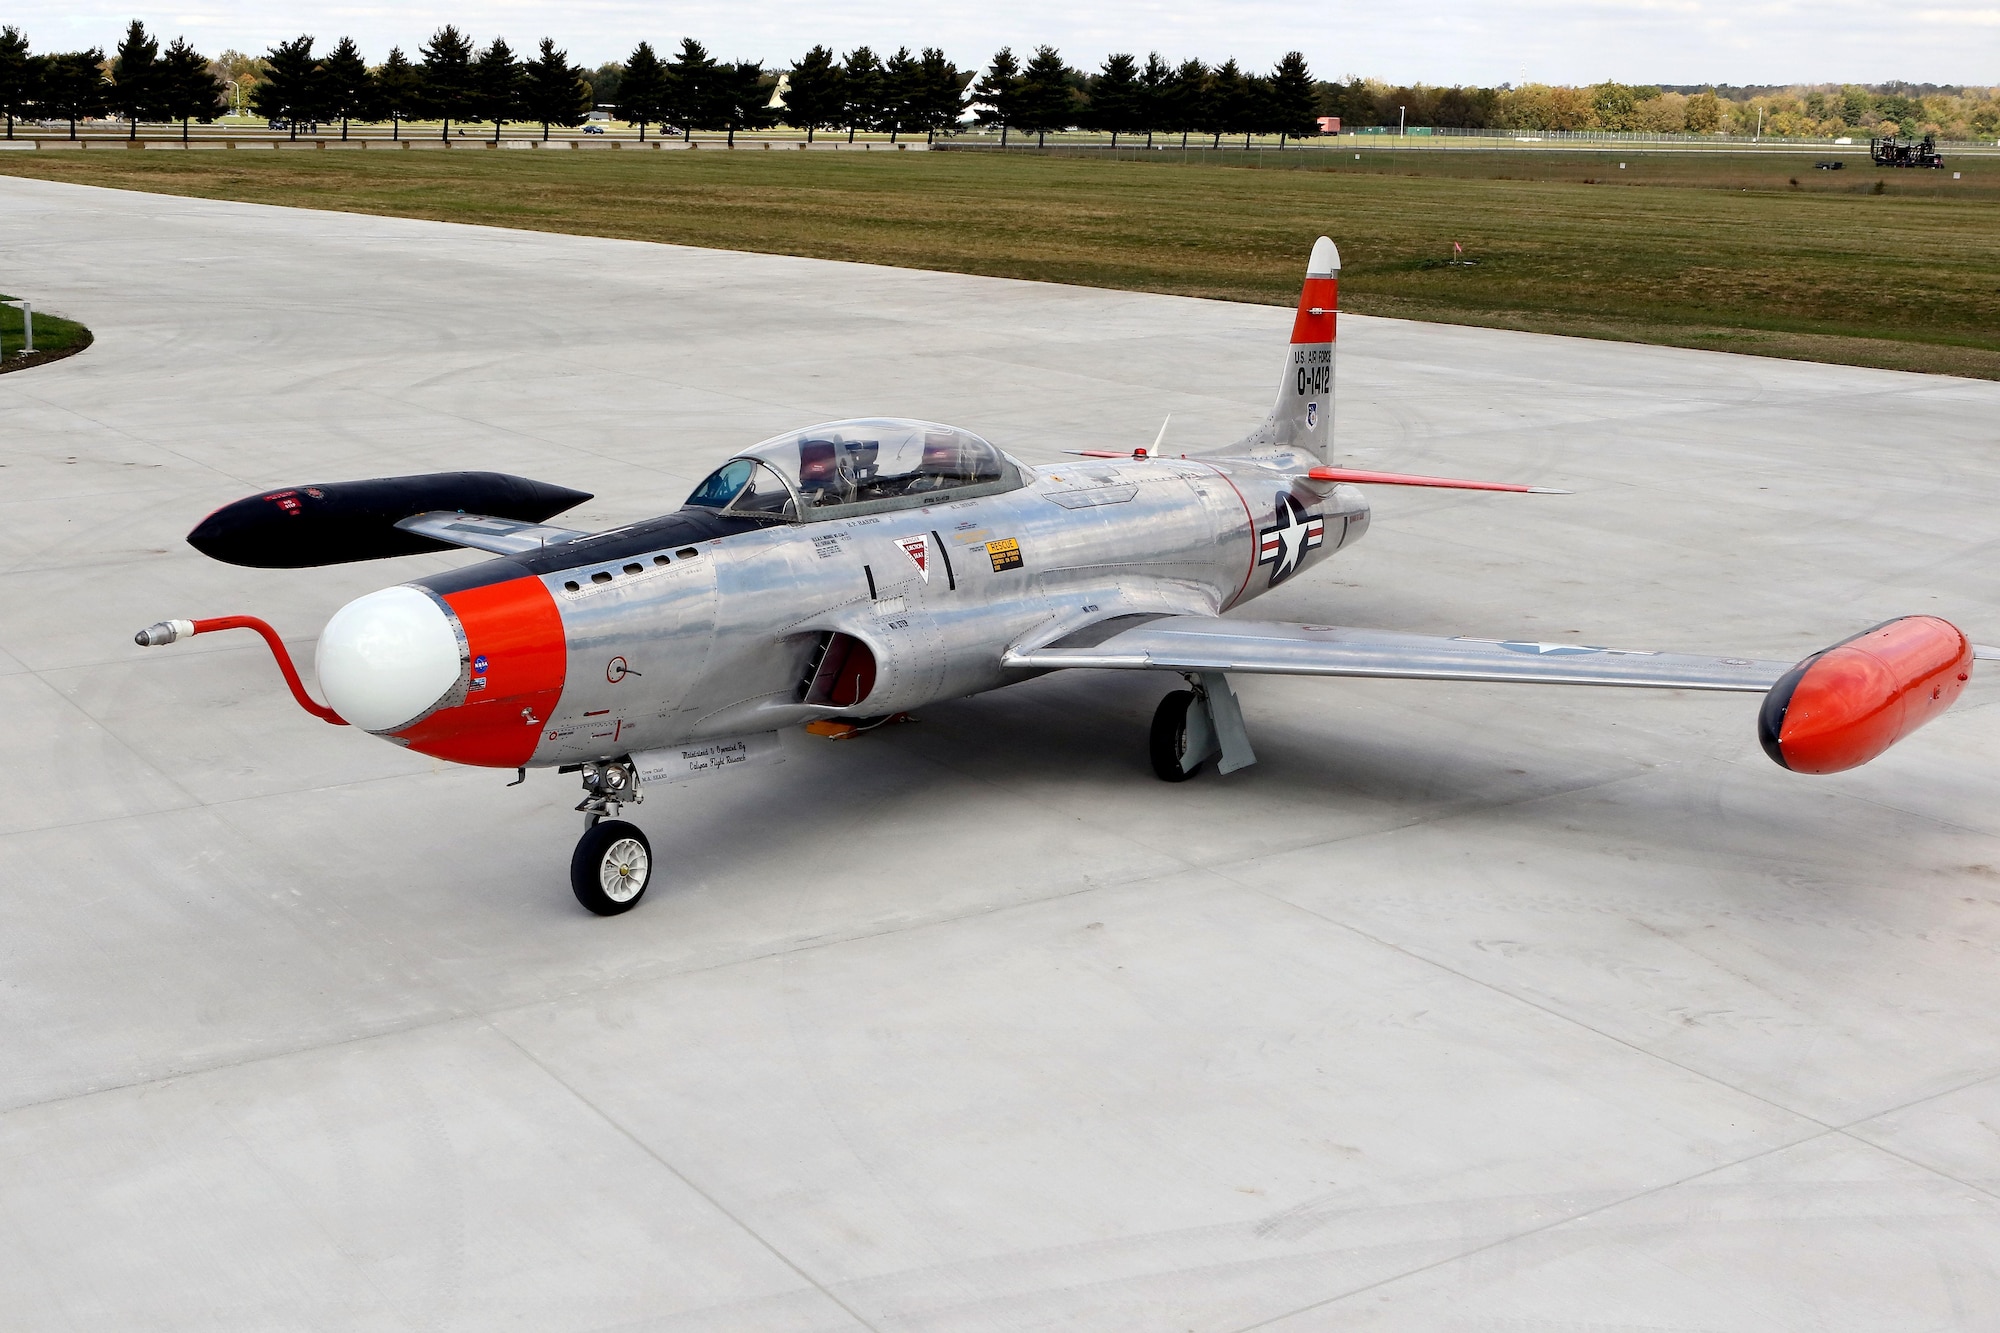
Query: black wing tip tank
(342, 521)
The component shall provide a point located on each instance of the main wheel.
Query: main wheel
(1168, 742)
(613, 861)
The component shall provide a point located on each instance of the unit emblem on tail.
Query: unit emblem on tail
(1284, 544)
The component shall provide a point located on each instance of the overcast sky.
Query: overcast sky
(1447, 41)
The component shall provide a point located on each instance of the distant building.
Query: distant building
(1329, 124)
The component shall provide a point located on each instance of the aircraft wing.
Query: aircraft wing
(1201, 643)
(501, 536)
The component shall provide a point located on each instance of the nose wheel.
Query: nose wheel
(613, 861)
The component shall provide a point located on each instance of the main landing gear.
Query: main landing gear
(613, 860)
(1197, 724)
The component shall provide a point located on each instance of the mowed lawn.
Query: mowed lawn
(1734, 251)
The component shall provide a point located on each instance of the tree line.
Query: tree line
(454, 81)
(141, 83)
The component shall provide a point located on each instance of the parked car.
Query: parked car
(593, 129)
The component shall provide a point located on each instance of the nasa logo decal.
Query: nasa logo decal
(1284, 544)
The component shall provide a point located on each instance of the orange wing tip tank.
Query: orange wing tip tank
(1840, 708)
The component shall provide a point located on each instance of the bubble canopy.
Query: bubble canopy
(866, 466)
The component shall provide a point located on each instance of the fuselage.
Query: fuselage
(701, 625)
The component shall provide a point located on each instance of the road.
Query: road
(1474, 1007)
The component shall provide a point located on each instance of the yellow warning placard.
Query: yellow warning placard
(1005, 554)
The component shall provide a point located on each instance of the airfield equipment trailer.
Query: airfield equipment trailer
(1893, 152)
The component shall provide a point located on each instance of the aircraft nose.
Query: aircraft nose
(387, 658)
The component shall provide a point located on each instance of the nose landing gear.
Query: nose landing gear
(613, 859)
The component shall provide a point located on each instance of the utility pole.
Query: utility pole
(1402, 117)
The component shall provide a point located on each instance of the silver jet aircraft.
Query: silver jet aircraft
(846, 573)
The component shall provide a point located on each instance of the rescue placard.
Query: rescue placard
(699, 759)
(1005, 554)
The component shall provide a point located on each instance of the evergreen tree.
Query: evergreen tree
(72, 85)
(1224, 102)
(860, 91)
(642, 92)
(289, 90)
(942, 83)
(1047, 99)
(693, 99)
(902, 92)
(346, 90)
(813, 98)
(1154, 81)
(743, 96)
(554, 91)
(399, 90)
(190, 90)
(1187, 95)
(135, 78)
(1115, 97)
(496, 85)
(447, 71)
(1294, 99)
(20, 75)
(997, 95)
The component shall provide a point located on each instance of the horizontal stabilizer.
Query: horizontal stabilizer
(341, 521)
(1356, 477)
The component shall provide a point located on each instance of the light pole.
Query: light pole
(1402, 116)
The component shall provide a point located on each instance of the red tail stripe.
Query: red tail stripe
(1323, 295)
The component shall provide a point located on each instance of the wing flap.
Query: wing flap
(1199, 643)
(481, 532)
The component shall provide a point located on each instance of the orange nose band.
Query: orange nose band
(514, 680)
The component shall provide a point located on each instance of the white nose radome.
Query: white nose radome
(384, 659)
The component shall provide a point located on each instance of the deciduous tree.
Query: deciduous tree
(289, 90)
(554, 92)
(447, 70)
(813, 98)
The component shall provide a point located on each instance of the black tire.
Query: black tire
(1168, 742)
(610, 856)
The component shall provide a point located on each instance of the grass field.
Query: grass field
(1751, 252)
(55, 337)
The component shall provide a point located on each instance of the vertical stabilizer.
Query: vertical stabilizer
(1303, 416)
